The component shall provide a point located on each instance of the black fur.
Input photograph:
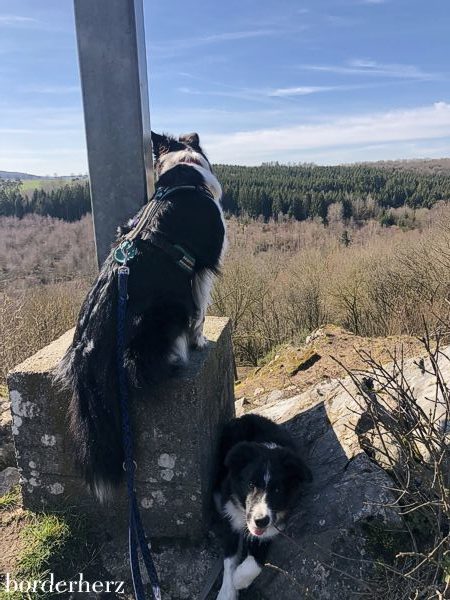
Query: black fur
(260, 476)
(161, 307)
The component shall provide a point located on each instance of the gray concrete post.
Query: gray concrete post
(176, 431)
(113, 69)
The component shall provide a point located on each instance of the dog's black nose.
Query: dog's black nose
(263, 522)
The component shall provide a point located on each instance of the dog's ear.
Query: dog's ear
(160, 144)
(239, 456)
(191, 139)
(296, 468)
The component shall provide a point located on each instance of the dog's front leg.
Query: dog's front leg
(231, 553)
(201, 291)
(251, 567)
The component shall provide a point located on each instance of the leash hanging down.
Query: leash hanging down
(137, 539)
(125, 252)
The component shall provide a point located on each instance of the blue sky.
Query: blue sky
(319, 81)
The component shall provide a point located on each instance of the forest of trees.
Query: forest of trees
(307, 191)
(272, 191)
(68, 202)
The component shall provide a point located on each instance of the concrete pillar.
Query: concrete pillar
(177, 430)
(113, 69)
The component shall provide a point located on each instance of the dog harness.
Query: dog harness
(141, 227)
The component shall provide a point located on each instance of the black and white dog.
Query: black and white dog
(260, 477)
(165, 312)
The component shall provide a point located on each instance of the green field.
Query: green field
(47, 183)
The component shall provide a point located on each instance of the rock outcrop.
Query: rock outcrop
(325, 551)
(328, 549)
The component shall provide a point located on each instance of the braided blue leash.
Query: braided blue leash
(136, 534)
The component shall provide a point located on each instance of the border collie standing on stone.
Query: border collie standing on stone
(165, 312)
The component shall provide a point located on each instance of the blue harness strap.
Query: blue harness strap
(137, 539)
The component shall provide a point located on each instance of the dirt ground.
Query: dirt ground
(294, 369)
(11, 543)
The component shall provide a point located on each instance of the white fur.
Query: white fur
(201, 289)
(259, 510)
(270, 445)
(236, 514)
(172, 159)
(246, 573)
(88, 348)
(228, 591)
(180, 351)
(103, 491)
(196, 160)
(267, 476)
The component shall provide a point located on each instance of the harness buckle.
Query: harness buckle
(186, 262)
(124, 252)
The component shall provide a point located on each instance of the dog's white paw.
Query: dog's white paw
(227, 592)
(246, 573)
(200, 342)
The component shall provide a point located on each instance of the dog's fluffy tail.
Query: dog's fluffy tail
(88, 370)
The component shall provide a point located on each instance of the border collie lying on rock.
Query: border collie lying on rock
(179, 252)
(260, 476)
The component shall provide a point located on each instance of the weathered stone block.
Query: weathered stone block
(176, 434)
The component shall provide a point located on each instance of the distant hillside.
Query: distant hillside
(419, 165)
(29, 177)
(380, 190)
(17, 175)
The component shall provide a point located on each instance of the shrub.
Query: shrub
(410, 440)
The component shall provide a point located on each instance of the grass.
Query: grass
(54, 543)
(46, 537)
(47, 184)
(11, 500)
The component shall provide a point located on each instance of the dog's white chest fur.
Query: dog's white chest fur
(236, 514)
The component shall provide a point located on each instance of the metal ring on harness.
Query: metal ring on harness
(124, 466)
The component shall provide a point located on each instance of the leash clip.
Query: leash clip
(124, 252)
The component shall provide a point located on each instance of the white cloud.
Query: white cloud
(264, 94)
(17, 21)
(304, 90)
(373, 68)
(53, 140)
(172, 47)
(230, 36)
(298, 141)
